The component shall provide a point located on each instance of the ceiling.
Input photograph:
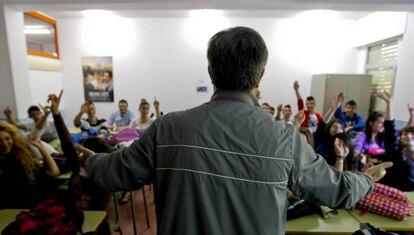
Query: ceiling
(295, 5)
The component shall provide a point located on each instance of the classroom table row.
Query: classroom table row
(347, 222)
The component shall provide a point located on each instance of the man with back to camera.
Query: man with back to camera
(224, 167)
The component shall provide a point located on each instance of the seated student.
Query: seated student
(144, 121)
(23, 179)
(329, 139)
(267, 108)
(286, 112)
(353, 122)
(312, 118)
(371, 140)
(91, 121)
(400, 153)
(122, 118)
(46, 129)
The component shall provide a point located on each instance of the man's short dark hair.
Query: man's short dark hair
(310, 98)
(288, 106)
(351, 103)
(236, 57)
(32, 108)
(123, 101)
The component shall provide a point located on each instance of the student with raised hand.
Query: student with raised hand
(91, 121)
(224, 167)
(400, 151)
(353, 122)
(23, 179)
(312, 118)
(371, 141)
(330, 136)
(122, 118)
(82, 190)
(40, 127)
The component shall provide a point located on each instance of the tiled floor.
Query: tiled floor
(125, 218)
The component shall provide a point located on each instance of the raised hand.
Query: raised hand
(299, 118)
(385, 96)
(83, 154)
(156, 104)
(7, 112)
(55, 102)
(410, 109)
(35, 141)
(296, 85)
(279, 108)
(341, 150)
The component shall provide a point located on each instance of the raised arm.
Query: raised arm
(301, 106)
(51, 166)
(336, 102)
(124, 170)
(12, 120)
(64, 136)
(385, 96)
(278, 112)
(157, 108)
(77, 120)
(410, 122)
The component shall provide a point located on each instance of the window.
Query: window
(41, 35)
(382, 65)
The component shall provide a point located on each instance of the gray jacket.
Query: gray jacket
(224, 168)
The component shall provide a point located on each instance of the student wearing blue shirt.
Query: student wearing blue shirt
(122, 118)
(352, 121)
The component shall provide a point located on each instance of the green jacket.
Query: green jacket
(224, 168)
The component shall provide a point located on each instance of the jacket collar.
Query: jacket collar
(238, 96)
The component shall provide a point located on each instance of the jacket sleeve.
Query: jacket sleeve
(359, 123)
(127, 169)
(301, 106)
(340, 115)
(66, 142)
(314, 180)
(390, 141)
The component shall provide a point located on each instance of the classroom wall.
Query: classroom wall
(165, 57)
(404, 81)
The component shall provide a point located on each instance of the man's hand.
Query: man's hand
(377, 172)
(410, 109)
(83, 154)
(279, 108)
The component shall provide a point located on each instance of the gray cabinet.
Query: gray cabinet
(353, 86)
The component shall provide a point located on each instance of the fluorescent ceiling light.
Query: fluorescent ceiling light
(35, 27)
(37, 31)
(97, 13)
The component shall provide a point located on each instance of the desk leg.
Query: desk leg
(132, 200)
(145, 206)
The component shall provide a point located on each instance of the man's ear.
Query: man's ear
(260, 77)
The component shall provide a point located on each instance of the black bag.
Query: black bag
(367, 229)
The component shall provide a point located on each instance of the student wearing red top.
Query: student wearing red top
(312, 118)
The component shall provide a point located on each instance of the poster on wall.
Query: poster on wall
(97, 78)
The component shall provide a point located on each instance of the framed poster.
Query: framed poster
(97, 78)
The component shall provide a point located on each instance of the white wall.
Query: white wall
(6, 79)
(166, 57)
(404, 81)
(43, 83)
(18, 60)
